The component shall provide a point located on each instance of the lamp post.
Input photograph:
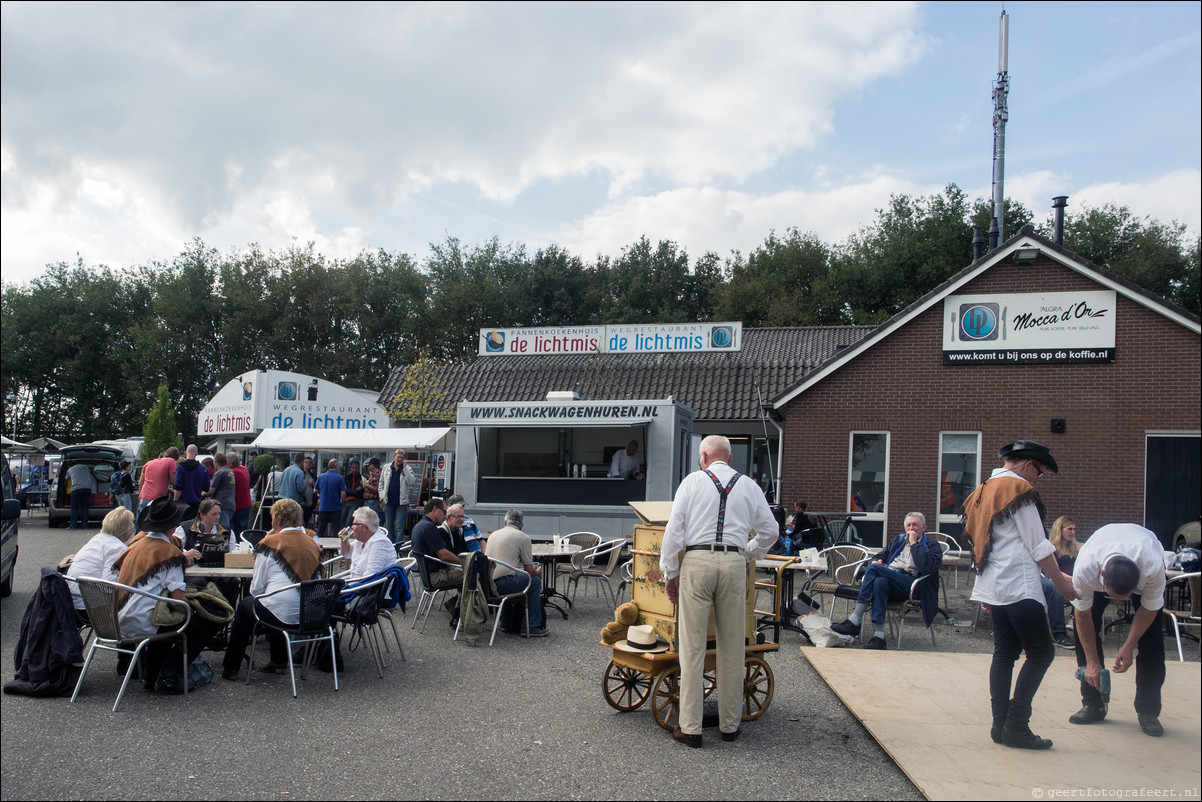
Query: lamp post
(12, 399)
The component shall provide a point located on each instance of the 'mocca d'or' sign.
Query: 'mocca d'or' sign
(1032, 328)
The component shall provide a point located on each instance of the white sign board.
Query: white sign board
(279, 399)
(1029, 328)
(623, 339)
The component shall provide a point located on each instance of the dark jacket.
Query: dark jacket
(928, 557)
(49, 653)
(191, 480)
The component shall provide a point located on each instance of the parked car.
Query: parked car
(1188, 535)
(104, 461)
(11, 519)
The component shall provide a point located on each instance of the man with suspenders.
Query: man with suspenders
(706, 547)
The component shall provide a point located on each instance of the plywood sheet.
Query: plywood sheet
(935, 721)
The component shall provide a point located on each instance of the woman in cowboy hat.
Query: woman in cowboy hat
(154, 563)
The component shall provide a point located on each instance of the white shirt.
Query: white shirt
(1018, 544)
(694, 518)
(94, 561)
(135, 615)
(624, 465)
(1137, 544)
(268, 575)
(371, 557)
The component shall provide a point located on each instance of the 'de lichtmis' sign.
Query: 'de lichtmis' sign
(624, 339)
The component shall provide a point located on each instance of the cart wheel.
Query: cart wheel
(709, 682)
(625, 688)
(757, 687)
(665, 699)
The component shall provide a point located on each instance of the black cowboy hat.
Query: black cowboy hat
(161, 515)
(1029, 449)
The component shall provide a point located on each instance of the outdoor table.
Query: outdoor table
(549, 554)
(810, 564)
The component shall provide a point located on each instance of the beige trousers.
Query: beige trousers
(718, 580)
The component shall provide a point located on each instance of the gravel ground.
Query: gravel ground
(521, 720)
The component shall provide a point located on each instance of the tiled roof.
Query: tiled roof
(717, 385)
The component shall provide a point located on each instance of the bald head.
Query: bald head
(714, 448)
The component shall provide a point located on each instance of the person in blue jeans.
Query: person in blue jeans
(1056, 614)
(396, 479)
(511, 545)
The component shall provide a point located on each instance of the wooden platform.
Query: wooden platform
(936, 728)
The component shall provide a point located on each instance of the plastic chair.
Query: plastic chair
(842, 568)
(497, 601)
(598, 563)
(1185, 618)
(100, 600)
(430, 593)
(364, 601)
(318, 599)
(251, 537)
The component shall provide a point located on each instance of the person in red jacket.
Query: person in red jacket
(242, 501)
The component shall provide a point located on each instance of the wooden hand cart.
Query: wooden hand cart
(633, 677)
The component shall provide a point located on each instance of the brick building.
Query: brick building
(892, 425)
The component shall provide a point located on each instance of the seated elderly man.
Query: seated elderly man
(286, 556)
(452, 530)
(428, 542)
(366, 544)
(511, 545)
(155, 564)
(893, 569)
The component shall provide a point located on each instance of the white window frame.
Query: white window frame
(950, 518)
(847, 496)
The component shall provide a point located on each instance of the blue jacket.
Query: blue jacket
(928, 558)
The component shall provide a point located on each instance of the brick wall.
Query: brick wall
(901, 386)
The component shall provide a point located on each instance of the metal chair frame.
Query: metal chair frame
(100, 600)
(430, 594)
(497, 602)
(308, 631)
(584, 567)
(1186, 618)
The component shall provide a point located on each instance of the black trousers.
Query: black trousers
(1019, 627)
(1149, 660)
(240, 629)
(165, 657)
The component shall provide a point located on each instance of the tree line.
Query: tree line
(85, 347)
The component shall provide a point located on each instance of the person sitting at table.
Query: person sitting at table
(95, 559)
(452, 530)
(207, 528)
(366, 544)
(428, 543)
(1052, 598)
(805, 531)
(473, 538)
(511, 545)
(625, 465)
(1064, 538)
(286, 556)
(889, 576)
(155, 564)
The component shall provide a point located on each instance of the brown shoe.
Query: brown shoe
(693, 741)
(272, 668)
(732, 736)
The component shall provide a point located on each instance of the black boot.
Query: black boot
(1016, 733)
(999, 720)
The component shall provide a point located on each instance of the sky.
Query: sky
(130, 129)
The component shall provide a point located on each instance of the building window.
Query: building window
(868, 481)
(959, 472)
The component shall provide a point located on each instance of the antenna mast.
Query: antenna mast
(1001, 89)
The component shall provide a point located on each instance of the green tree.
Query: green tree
(783, 282)
(421, 398)
(159, 432)
(1157, 256)
(915, 244)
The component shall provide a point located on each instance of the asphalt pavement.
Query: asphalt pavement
(525, 719)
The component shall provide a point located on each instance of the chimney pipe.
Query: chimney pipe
(993, 233)
(1058, 204)
(978, 244)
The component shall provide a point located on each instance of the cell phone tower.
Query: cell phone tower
(1001, 89)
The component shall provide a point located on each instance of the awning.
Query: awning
(350, 440)
(13, 447)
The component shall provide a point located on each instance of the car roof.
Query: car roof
(91, 449)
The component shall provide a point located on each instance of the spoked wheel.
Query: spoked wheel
(665, 699)
(709, 682)
(757, 687)
(625, 688)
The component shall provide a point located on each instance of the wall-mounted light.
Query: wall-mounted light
(1026, 255)
(1059, 425)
